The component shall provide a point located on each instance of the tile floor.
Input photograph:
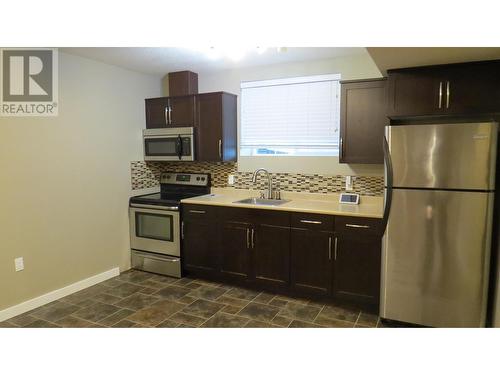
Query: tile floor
(139, 299)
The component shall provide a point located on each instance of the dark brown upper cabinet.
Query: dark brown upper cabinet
(473, 89)
(216, 136)
(182, 83)
(363, 116)
(170, 111)
(156, 113)
(445, 90)
(182, 110)
(212, 114)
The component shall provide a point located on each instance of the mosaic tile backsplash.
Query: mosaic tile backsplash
(147, 175)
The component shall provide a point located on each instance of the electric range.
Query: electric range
(155, 233)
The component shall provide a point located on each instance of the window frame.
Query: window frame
(308, 151)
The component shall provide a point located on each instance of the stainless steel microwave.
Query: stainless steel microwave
(169, 144)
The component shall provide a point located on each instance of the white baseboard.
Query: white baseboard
(31, 304)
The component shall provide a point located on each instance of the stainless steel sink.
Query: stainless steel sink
(263, 202)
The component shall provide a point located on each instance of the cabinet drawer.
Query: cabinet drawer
(358, 225)
(313, 221)
(239, 215)
(197, 212)
(269, 217)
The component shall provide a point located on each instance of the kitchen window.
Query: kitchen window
(291, 116)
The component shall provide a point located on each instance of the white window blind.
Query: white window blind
(292, 116)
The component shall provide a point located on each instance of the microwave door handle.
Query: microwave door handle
(178, 150)
(179, 142)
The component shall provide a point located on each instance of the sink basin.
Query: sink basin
(263, 202)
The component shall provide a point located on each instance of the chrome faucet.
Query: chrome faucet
(269, 182)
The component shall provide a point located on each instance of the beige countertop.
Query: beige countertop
(318, 203)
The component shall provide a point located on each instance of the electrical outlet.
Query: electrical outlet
(230, 179)
(19, 263)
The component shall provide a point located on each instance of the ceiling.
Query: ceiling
(159, 60)
(404, 57)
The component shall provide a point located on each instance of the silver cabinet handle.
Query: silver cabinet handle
(335, 256)
(167, 114)
(440, 93)
(220, 148)
(357, 226)
(341, 148)
(169, 121)
(253, 235)
(311, 222)
(182, 230)
(248, 238)
(197, 211)
(447, 94)
(329, 248)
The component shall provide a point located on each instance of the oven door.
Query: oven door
(155, 230)
(171, 147)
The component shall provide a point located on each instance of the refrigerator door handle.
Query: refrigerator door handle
(388, 171)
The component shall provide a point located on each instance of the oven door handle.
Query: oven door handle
(154, 207)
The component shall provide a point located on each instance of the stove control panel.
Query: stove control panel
(194, 179)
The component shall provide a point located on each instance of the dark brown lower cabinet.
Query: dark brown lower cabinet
(283, 252)
(311, 270)
(356, 277)
(271, 256)
(357, 260)
(200, 246)
(234, 248)
(255, 246)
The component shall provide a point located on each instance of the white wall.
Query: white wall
(65, 181)
(353, 67)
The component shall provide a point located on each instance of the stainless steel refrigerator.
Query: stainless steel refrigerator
(439, 191)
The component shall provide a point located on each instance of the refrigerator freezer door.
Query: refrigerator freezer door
(435, 258)
(444, 156)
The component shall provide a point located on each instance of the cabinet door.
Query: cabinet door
(473, 89)
(357, 268)
(182, 110)
(199, 244)
(271, 256)
(209, 127)
(415, 93)
(311, 261)
(234, 247)
(363, 117)
(182, 83)
(156, 113)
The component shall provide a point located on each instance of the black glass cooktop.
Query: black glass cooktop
(162, 199)
(174, 188)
